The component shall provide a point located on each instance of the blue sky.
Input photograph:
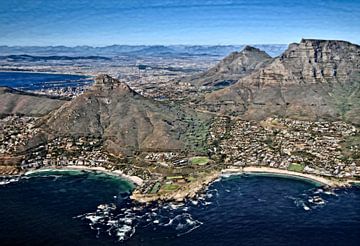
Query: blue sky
(106, 22)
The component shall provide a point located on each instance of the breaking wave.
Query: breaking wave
(122, 223)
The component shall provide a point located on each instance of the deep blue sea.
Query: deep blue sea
(37, 81)
(78, 208)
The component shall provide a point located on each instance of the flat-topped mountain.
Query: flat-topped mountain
(231, 68)
(312, 80)
(14, 102)
(125, 120)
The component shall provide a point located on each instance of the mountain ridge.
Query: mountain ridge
(314, 79)
(125, 120)
(15, 102)
(230, 69)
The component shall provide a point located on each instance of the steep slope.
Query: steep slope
(231, 68)
(315, 79)
(21, 103)
(125, 120)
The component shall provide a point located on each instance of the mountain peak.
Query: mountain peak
(250, 48)
(307, 82)
(245, 56)
(317, 48)
(230, 69)
(104, 81)
(322, 42)
(126, 121)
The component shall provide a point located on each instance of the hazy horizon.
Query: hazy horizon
(134, 45)
(172, 22)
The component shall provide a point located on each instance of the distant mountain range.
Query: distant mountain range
(30, 58)
(136, 50)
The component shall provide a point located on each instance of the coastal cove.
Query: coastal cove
(180, 123)
(132, 179)
(35, 81)
(318, 180)
(194, 189)
(261, 201)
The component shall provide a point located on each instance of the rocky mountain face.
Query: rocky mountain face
(14, 102)
(231, 68)
(315, 79)
(125, 120)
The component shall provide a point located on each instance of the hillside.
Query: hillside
(21, 103)
(126, 121)
(230, 69)
(315, 79)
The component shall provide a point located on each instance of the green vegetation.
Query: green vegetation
(169, 187)
(196, 134)
(351, 147)
(191, 178)
(174, 177)
(296, 167)
(346, 98)
(268, 141)
(200, 160)
(155, 188)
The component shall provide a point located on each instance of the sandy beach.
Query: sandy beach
(133, 179)
(276, 171)
(195, 187)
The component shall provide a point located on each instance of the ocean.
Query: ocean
(84, 208)
(38, 81)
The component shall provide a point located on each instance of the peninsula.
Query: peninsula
(296, 114)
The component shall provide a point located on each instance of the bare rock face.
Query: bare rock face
(14, 102)
(106, 83)
(316, 79)
(125, 120)
(319, 61)
(231, 68)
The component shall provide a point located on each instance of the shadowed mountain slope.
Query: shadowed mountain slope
(231, 68)
(125, 120)
(14, 102)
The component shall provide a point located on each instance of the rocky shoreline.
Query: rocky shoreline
(193, 189)
(189, 191)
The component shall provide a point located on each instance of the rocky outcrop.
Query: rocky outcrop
(231, 68)
(315, 79)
